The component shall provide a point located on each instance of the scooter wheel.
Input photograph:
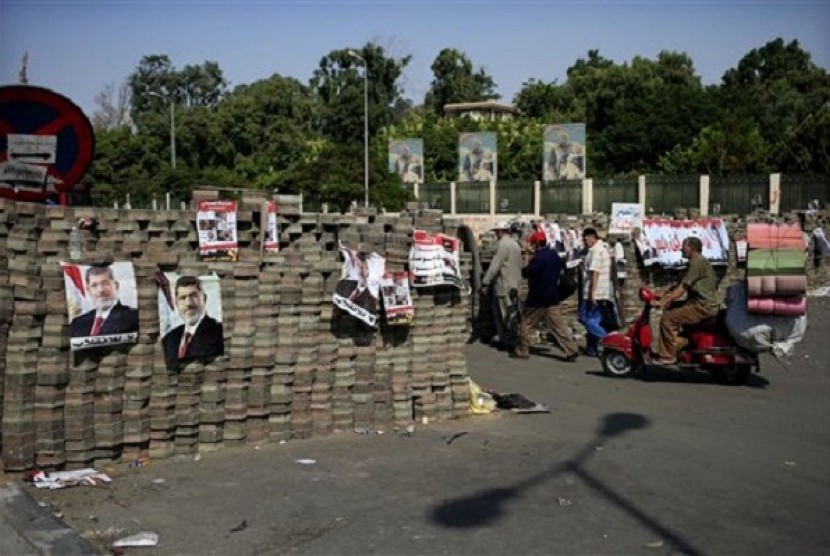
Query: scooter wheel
(617, 364)
(734, 375)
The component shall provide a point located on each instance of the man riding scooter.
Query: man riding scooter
(703, 301)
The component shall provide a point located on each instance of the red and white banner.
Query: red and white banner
(271, 229)
(659, 241)
(434, 260)
(216, 222)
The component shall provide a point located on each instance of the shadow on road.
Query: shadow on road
(487, 506)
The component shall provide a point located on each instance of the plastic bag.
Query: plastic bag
(760, 333)
(481, 403)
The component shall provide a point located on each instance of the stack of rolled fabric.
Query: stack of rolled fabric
(776, 277)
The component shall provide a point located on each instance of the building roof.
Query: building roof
(491, 105)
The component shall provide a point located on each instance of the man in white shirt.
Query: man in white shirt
(596, 289)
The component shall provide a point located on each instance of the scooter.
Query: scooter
(709, 348)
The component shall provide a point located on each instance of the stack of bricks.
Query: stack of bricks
(294, 365)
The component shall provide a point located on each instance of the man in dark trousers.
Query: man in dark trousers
(200, 335)
(110, 316)
(542, 274)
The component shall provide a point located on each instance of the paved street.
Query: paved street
(677, 464)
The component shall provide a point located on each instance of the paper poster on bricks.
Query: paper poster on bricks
(270, 227)
(358, 290)
(190, 316)
(216, 223)
(397, 299)
(102, 304)
(434, 260)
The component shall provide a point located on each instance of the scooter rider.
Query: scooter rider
(700, 285)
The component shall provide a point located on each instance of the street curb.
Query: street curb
(26, 528)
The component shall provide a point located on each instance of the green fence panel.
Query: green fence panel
(739, 194)
(799, 190)
(472, 197)
(437, 195)
(561, 196)
(514, 197)
(664, 194)
(615, 190)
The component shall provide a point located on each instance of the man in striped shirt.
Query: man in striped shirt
(596, 288)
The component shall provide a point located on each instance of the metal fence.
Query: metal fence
(799, 190)
(561, 196)
(664, 194)
(514, 197)
(738, 194)
(615, 190)
(437, 195)
(472, 197)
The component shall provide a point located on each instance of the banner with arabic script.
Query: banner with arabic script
(434, 260)
(660, 241)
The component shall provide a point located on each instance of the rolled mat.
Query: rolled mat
(776, 286)
(772, 236)
(778, 306)
(772, 262)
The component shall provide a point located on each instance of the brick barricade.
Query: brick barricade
(294, 365)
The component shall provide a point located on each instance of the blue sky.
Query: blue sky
(77, 47)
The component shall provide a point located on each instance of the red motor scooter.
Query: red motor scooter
(710, 348)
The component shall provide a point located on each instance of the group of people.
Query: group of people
(542, 267)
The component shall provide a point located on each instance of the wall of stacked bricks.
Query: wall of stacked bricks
(817, 270)
(294, 365)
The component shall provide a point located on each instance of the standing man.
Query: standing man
(700, 285)
(542, 274)
(200, 335)
(110, 316)
(506, 271)
(596, 288)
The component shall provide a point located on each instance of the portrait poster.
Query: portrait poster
(270, 228)
(660, 240)
(102, 304)
(358, 289)
(564, 152)
(625, 217)
(216, 223)
(406, 159)
(397, 298)
(434, 260)
(567, 242)
(477, 156)
(190, 316)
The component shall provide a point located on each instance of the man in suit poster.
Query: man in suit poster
(191, 313)
(101, 302)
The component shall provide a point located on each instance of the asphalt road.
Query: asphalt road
(677, 464)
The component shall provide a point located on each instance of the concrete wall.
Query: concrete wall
(294, 366)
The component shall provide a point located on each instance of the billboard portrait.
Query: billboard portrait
(477, 156)
(564, 152)
(406, 158)
(190, 315)
(102, 304)
(216, 222)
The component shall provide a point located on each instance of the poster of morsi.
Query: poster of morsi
(397, 299)
(434, 260)
(216, 223)
(270, 227)
(358, 289)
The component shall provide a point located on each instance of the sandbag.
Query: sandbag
(775, 262)
(761, 333)
(776, 286)
(774, 236)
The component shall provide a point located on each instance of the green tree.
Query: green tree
(455, 80)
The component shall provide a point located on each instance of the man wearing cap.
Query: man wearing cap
(597, 287)
(542, 274)
(504, 274)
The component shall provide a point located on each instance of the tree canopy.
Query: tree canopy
(771, 112)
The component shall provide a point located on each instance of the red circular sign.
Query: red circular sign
(46, 143)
